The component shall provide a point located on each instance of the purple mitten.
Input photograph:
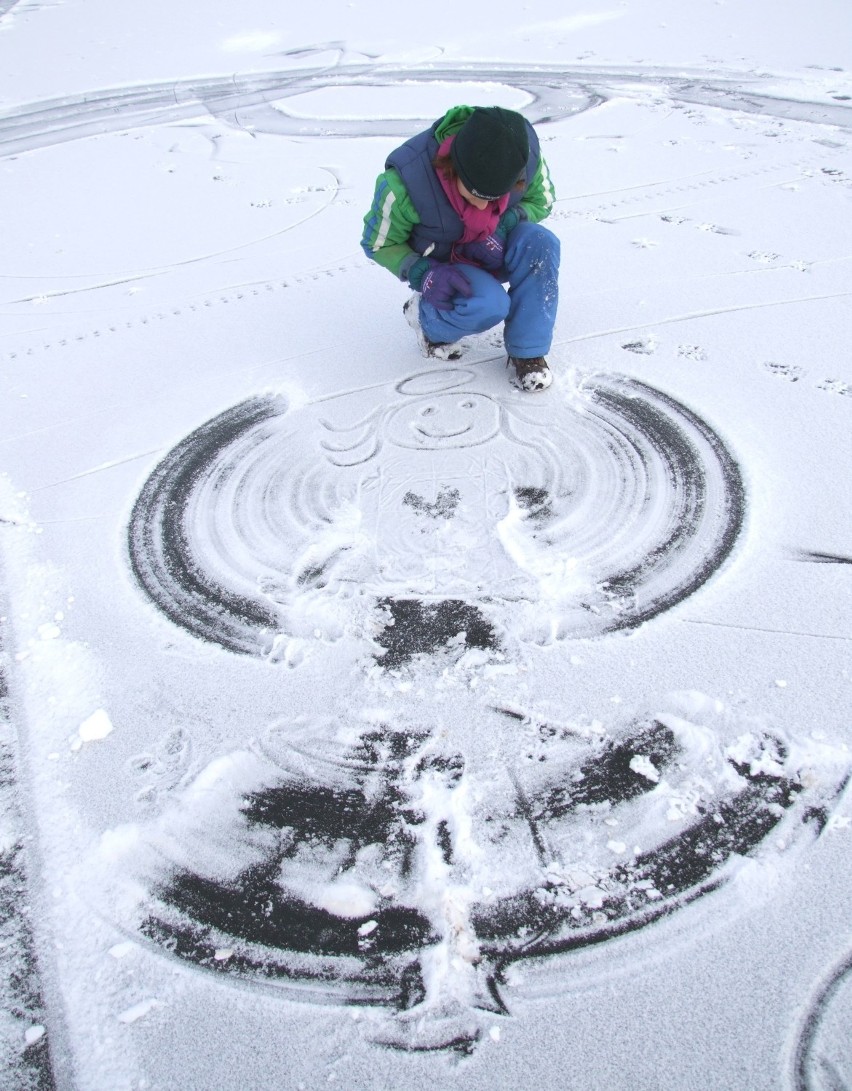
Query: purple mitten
(441, 283)
(488, 252)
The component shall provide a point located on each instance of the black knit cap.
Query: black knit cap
(490, 151)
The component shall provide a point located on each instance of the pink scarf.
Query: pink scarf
(478, 223)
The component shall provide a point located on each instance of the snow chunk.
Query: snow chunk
(643, 765)
(34, 1034)
(758, 754)
(97, 726)
(592, 897)
(345, 898)
(121, 950)
(138, 1011)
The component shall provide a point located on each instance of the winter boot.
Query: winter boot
(435, 349)
(531, 373)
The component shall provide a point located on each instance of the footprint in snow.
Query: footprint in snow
(784, 371)
(836, 386)
(646, 346)
(715, 229)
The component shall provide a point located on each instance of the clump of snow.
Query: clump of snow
(138, 1011)
(34, 1034)
(95, 727)
(643, 765)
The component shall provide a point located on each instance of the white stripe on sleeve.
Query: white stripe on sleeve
(547, 185)
(384, 226)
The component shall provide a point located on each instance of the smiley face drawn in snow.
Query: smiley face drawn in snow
(445, 421)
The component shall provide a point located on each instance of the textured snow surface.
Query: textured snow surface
(367, 722)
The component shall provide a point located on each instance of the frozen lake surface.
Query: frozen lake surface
(364, 721)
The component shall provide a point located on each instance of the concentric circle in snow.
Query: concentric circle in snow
(551, 518)
(821, 1060)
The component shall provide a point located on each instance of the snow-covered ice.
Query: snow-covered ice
(364, 720)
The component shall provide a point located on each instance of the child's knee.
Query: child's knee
(534, 240)
(489, 311)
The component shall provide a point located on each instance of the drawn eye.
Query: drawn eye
(428, 411)
(467, 405)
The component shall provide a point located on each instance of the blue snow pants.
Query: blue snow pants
(528, 306)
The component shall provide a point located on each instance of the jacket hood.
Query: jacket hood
(452, 121)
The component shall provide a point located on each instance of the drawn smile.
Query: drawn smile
(431, 433)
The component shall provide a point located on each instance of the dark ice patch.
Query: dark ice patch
(416, 627)
(444, 507)
(607, 777)
(535, 502)
(255, 910)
